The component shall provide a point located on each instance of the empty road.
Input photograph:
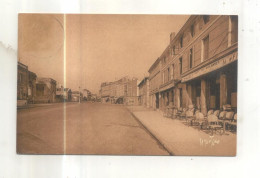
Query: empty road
(86, 128)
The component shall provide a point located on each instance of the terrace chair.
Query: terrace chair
(233, 122)
(190, 114)
(178, 113)
(221, 116)
(214, 124)
(183, 113)
(216, 113)
(199, 119)
(210, 112)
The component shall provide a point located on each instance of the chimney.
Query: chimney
(172, 35)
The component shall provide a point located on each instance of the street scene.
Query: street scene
(127, 84)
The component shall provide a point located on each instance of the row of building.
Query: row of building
(198, 67)
(33, 89)
(122, 91)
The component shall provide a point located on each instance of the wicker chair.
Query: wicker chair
(214, 124)
(233, 123)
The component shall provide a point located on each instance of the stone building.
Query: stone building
(45, 90)
(22, 84)
(155, 81)
(63, 94)
(124, 89)
(199, 66)
(32, 77)
(26, 85)
(144, 92)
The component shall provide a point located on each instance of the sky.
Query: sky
(97, 48)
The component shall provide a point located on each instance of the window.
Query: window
(192, 30)
(172, 72)
(181, 41)
(191, 58)
(40, 89)
(232, 30)
(162, 77)
(168, 73)
(20, 78)
(164, 60)
(180, 60)
(206, 18)
(205, 48)
(173, 50)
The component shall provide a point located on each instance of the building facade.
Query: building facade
(199, 66)
(32, 77)
(124, 89)
(22, 82)
(144, 92)
(45, 90)
(26, 85)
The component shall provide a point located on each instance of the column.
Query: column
(177, 97)
(223, 90)
(189, 95)
(203, 97)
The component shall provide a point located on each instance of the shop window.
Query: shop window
(191, 58)
(180, 97)
(192, 30)
(180, 60)
(205, 48)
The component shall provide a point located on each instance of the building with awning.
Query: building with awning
(199, 66)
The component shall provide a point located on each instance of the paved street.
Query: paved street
(86, 128)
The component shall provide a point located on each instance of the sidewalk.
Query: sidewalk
(180, 139)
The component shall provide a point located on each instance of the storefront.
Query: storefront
(213, 83)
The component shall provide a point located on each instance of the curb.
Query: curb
(152, 134)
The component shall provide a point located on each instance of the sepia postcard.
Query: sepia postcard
(127, 84)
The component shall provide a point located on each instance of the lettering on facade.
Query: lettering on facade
(211, 67)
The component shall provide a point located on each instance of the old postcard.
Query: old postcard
(127, 84)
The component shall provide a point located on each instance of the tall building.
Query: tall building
(199, 66)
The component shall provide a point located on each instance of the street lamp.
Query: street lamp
(79, 94)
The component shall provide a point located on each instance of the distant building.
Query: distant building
(63, 94)
(86, 94)
(45, 90)
(22, 84)
(122, 89)
(144, 92)
(76, 96)
(32, 87)
(26, 85)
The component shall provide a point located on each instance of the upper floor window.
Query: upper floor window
(232, 30)
(173, 50)
(192, 30)
(164, 60)
(172, 72)
(168, 74)
(180, 60)
(205, 48)
(181, 41)
(191, 58)
(206, 18)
